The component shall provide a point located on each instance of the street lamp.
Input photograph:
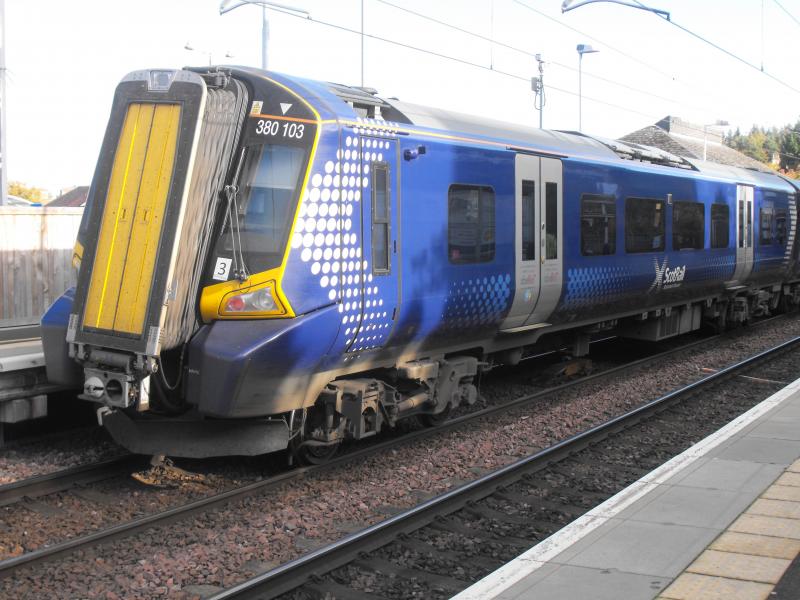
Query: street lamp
(229, 5)
(715, 124)
(582, 49)
(188, 46)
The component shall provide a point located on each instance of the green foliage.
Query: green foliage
(763, 144)
(34, 194)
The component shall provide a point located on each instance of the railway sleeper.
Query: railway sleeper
(534, 503)
(424, 549)
(328, 589)
(479, 534)
(386, 567)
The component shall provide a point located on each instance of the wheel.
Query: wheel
(308, 454)
(304, 450)
(721, 322)
(430, 420)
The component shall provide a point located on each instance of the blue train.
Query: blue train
(269, 262)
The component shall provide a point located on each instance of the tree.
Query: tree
(762, 144)
(34, 194)
(789, 147)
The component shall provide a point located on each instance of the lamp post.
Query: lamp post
(582, 49)
(715, 124)
(188, 46)
(229, 5)
(3, 150)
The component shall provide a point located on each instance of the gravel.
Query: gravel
(82, 446)
(223, 547)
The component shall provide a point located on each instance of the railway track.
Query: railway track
(508, 510)
(140, 524)
(65, 479)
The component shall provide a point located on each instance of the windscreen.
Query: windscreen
(257, 223)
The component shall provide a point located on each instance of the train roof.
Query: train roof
(572, 143)
(365, 102)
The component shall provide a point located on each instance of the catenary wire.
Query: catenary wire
(457, 60)
(469, 63)
(529, 54)
(723, 50)
(791, 16)
(561, 65)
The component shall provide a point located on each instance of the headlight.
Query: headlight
(258, 301)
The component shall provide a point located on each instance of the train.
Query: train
(268, 262)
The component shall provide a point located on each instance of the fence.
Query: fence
(35, 260)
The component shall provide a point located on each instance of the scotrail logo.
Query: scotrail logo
(665, 277)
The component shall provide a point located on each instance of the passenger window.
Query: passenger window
(598, 225)
(644, 225)
(780, 227)
(470, 227)
(688, 226)
(528, 220)
(551, 220)
(381, 229)
(720, 225)
(765, 237)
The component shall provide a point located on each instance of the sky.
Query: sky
(65, 58)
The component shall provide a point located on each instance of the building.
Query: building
(688, 140)
(76, 197)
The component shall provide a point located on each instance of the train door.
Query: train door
(538, 241)
(526, 240)
(376, 280)
(744, 232)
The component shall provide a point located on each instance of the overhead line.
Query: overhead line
(586, 35)
(454, 59)
(721, 49)
(528, 53)
(791, 16)
(516, 49)
(467, 63)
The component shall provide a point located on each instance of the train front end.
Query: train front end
(182, 254)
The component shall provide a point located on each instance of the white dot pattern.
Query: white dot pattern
(477, 302)
(327, 240)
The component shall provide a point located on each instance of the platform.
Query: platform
(17, 355)
(720, 521)
(23, 382)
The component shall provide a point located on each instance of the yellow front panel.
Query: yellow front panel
(148, 219)
(132, 218)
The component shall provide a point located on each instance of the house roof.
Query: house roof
(685, 139)
(76, 197)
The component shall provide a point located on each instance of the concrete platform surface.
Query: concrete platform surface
(721, 520)
(21, 355)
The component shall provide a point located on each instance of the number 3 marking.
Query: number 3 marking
(222, 268)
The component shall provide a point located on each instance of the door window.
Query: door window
(381, 224)
(528, 220)
(551, 220)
